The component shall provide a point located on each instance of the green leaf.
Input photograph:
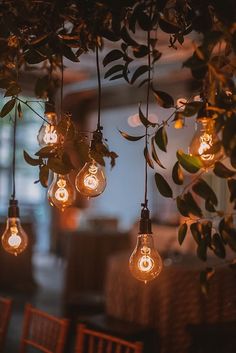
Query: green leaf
(218, 246)
(162, 186)
(34, 57)
(7, 108)
(43, 175)
(47, 151)
(13, 90)
(161, 138)
(192, 205)
(163, 98)
(209, 206)
(148, 158)
(192, 108)
(126, 37)
(182, 232)
(58, 166)
(196, 233)
(140, 51)
(68, 53)
(177, 174)
(140, 71)
(144, 120)
(190, 163)
(131, 138)
(20, 114)
(114, 70)
(232, 189)
(30, 160)
(202, 189)
(222, 171)
(112, 56)
(154, 154)
(182, 206)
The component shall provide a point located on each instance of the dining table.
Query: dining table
(172, 301)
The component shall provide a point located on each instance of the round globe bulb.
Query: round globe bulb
(61, 192)
(145, 263)
(91, 180)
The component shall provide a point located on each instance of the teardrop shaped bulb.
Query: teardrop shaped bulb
(61, 192)
(14, 238)
(145, 263)
(48, 134)
(91, 180)
(205, 139)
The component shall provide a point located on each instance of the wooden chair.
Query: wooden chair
(91, 341)
(42, 331)
(5, 312)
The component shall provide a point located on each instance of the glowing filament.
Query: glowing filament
(61, 194)
(205, 145)
(145, 263)
(50, 135)
(91, 180)
(14, 240)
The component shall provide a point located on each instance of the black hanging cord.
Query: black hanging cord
(14, 157)
(99, 127)
(62, 84)
(145, 204)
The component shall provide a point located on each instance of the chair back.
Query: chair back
(91, 341)
(5, 312)
(42, 331)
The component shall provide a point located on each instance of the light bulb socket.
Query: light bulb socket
(13, 209)
(145, 223)
(49, 107)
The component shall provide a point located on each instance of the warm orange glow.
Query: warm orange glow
(61, 192)
(91, 180)
(14, 239)
(145, 263)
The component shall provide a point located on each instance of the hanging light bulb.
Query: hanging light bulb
(61, 192)
(145, 263)
(48, 134)
(14, 238)
(206, 139)
(91, 179)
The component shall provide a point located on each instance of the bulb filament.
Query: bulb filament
(205, 144)
(14, 240)
(145, 263)
(91, 180)
(50, 135)
(61, 194)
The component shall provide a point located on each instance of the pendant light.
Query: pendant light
(205, 143)
(47, 134)
(145, 263)
(14, 239)
(91, 179)
(61, 192)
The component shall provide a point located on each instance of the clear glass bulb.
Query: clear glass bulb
(48, 134)
(61, 192)
(204, 139)
(14, 238)
(145, 263)
(91, 180)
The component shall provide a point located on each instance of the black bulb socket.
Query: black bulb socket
(13, 209)
(97, 138)
(49, 107)
(145, 224)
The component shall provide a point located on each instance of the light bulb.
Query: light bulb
(91, 179)
(145, 263)
(61, 192)
(14, 238)
(48, 134)
(204, 139)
